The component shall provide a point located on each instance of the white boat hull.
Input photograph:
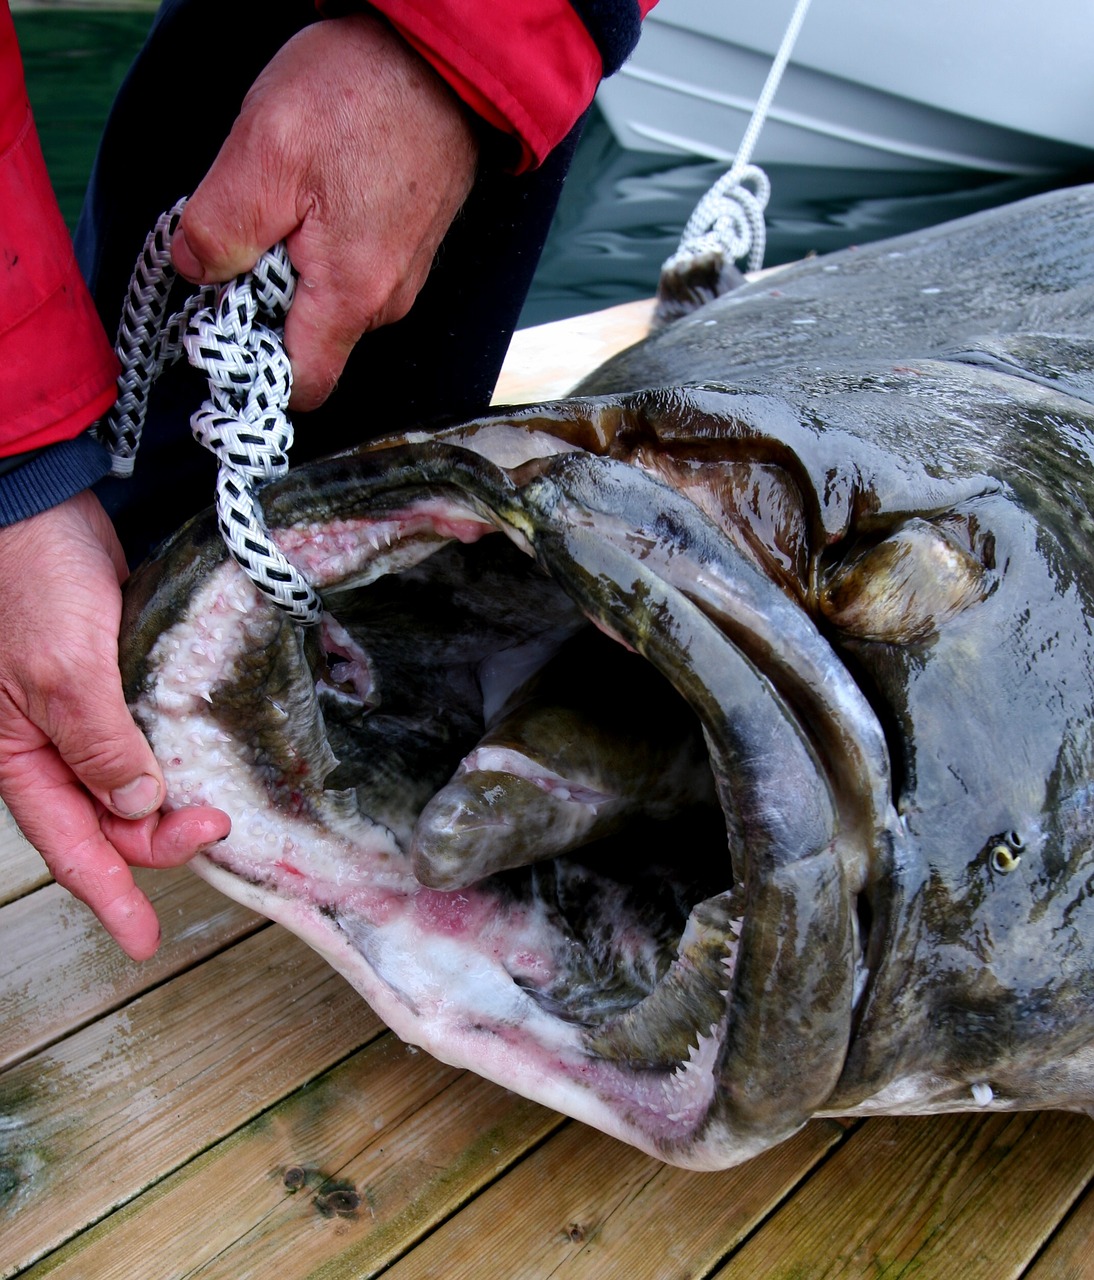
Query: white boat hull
(992, 85)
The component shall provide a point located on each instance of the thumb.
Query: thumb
(59, 678)
(97, 738)
(237, 212)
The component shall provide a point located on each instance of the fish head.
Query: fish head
(694, 760)
(561, 890)
(704, 586)
(899, 550)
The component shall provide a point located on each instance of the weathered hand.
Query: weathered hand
(351, 149)
(75, 771)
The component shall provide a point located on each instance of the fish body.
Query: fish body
(809, 831)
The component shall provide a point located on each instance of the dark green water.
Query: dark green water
(74, 62)
(621, 213)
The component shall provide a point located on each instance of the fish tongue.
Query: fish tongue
(490, 820)
(595, 740)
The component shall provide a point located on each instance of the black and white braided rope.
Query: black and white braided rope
(232, 334)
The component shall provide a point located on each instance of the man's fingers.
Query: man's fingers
(62, 823)
(346, 285)
(89, 851)
(192, 264)
(351, 149)
(97, 738)
(59, 677)
(166, 839)
(97, 875)
(211, 245)
(318, 343)
(71, 756)
(76, 700)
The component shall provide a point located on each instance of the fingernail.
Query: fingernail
(183, 257)
(137, 798)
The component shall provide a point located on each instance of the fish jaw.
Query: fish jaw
(742, 1031)
(439, 968)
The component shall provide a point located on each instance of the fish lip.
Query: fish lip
(578, 515)
(641, 515)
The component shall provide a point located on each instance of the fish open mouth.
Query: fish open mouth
(569, 789)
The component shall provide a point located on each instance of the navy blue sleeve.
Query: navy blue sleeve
(50, 476)
(614, 25)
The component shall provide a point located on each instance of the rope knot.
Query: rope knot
(727, 225)
(230, 333)
(729, 219)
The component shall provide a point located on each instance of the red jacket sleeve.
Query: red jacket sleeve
(527, 67)
(57, 368)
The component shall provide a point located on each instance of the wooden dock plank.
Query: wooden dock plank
(964, 1195)
(21, 867)
(393, 1191)
(91, 1122)
(345, 1173)
(540, 363)
(1070, 1252)
(59, 969)
(585, 1205)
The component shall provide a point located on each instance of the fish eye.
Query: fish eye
(1003, 858)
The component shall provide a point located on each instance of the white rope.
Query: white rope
(232, 334)
(729, 220)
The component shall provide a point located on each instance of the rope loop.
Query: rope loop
(729, 219)
(146, 341)
(727, 225)
(243, 528)
(231, 334)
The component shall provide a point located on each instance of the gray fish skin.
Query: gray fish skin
(845, 514)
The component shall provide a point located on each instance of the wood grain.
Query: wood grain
(963, 1195)
(1070, 1253)
(541, 365)
(346, 1173)
(21, 868)
(91, 1122)
(59, 969)
(584, 1205)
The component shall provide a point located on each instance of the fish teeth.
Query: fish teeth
(690, 1084)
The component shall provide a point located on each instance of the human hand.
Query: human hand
(351, 149)
(75, 771)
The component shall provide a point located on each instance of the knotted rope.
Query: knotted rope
(231, 333)
(727, 225)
